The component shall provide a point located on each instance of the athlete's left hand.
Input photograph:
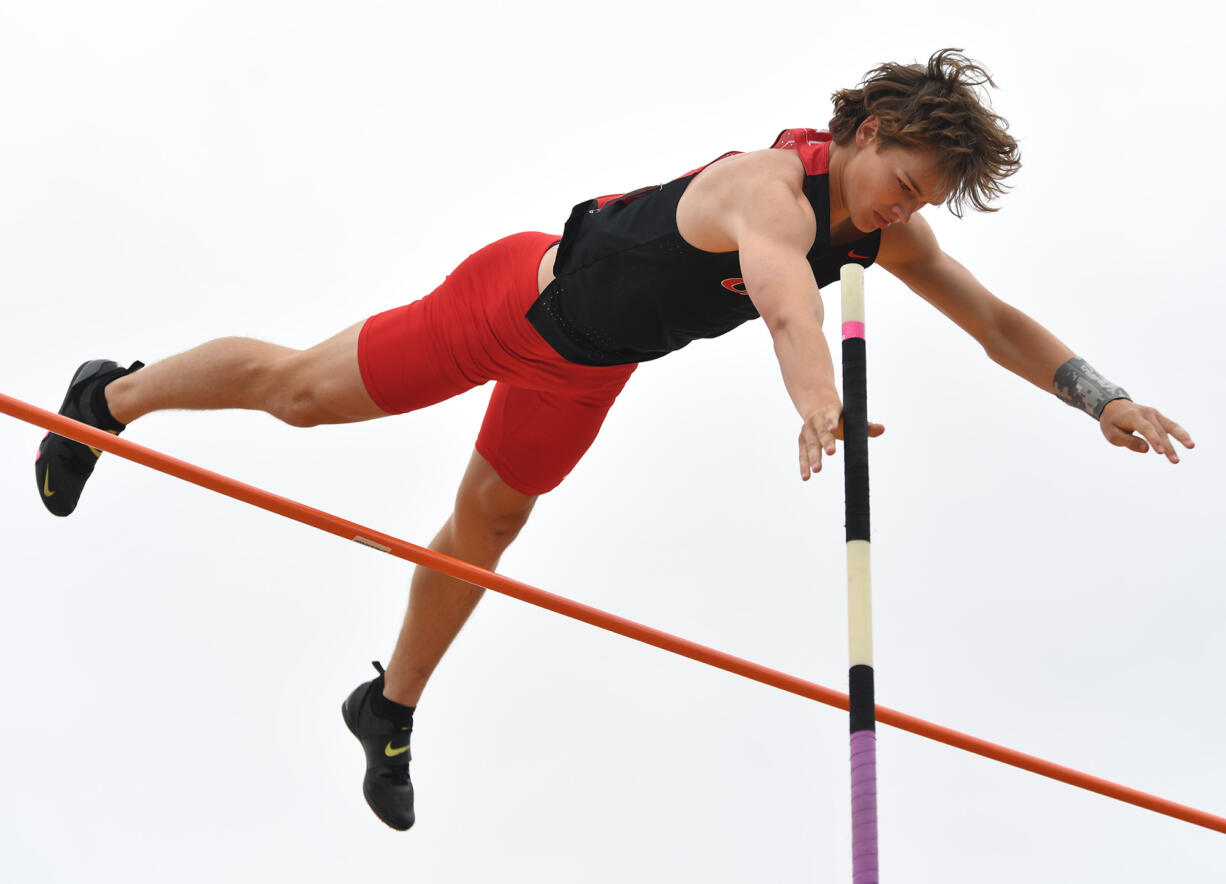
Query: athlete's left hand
(1140, 427)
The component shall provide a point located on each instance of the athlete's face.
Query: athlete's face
(887, 185)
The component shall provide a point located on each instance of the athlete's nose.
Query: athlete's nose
(904, 211)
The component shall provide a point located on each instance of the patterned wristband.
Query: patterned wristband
(1080, 385)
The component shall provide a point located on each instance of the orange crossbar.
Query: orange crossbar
(489, 580)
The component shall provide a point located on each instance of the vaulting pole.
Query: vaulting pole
(859, 599)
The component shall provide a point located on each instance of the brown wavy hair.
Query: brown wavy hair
(943, 106)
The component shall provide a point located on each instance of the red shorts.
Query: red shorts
(544, 412)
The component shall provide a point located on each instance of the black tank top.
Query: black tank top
(628, 288)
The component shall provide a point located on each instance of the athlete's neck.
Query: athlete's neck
(838, 205)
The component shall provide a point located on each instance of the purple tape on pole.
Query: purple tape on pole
(864, 807)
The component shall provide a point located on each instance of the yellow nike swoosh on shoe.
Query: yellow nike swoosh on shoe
(47, 492)
(392, 753)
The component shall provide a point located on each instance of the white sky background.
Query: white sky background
(174, 661)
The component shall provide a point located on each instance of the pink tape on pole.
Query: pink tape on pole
(864, 807)
(853, 330)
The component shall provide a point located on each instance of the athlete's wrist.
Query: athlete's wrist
(1079, 384)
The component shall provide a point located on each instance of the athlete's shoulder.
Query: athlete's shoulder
(753, 177)
(760, 192)
(765, 161)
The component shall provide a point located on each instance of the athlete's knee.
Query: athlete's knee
(502, 527)
(323, 384)
(299, 410)
(293, 396)
(491, 512)
(492, 527)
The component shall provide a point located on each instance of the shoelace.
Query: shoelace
(398, 775)
(77, 458)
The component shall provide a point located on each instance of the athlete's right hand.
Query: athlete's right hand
(818, 434)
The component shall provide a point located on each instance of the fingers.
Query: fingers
(1155, 437)
(1122, 434)
(810, 454)
(1140, 428)
(1162, 430)
(817, 435)
(1185, 438)
(810, 459)
(1134, 443)
(833, 424)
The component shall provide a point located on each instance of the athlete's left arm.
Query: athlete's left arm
(1014, 340)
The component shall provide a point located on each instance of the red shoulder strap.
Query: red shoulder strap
(813, 145)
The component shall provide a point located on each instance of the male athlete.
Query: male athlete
(559, 323)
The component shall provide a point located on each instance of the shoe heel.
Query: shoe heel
(349, 722)
(88, 368)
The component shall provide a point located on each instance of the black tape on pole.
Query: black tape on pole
(855, 435)
(862, 698)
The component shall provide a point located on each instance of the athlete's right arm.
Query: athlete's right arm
(773, 228)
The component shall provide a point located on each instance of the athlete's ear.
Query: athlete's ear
(867, 131)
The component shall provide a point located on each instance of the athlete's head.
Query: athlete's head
(942, 110)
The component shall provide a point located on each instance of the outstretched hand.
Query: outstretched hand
(818, 434)
(1140, 427)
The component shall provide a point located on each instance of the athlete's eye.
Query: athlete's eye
(903, 185)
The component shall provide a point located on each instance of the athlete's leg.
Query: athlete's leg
(488, 515)
(320, 385)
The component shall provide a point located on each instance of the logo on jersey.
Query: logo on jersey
(736, 284)
(852, 254)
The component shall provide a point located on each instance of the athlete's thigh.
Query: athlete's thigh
(534, 438)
